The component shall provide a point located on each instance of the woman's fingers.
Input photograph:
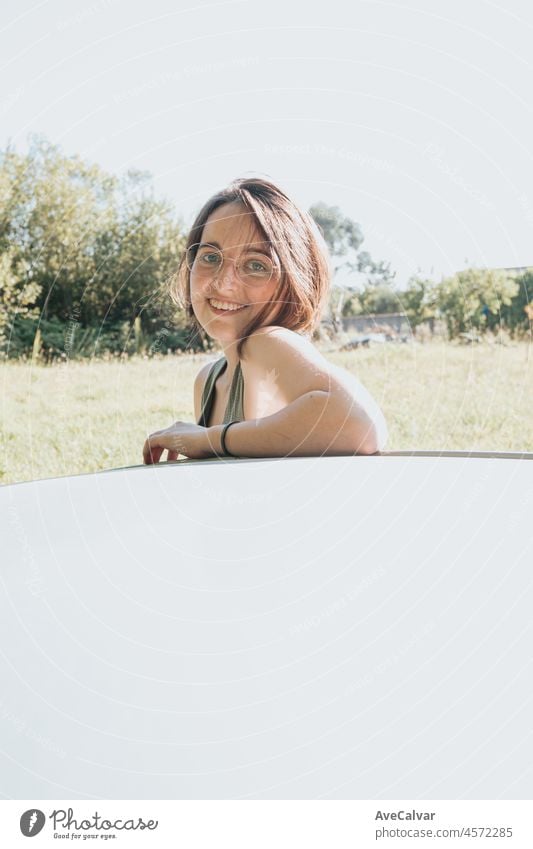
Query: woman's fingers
(164, 440)
(151, 452)
(156, 453)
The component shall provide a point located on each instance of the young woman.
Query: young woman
(255, 276)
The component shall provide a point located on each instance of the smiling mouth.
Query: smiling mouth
(224, 307)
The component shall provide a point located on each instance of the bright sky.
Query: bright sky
(415, 117)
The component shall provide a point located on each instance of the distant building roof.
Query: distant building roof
(377, 315)
(517, 269)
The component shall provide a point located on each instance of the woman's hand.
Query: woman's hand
(185, 438)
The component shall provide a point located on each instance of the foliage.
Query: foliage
(472, 298)
(58, 340)
(79, 244)
(85, 260)
(17, 294)
(418, 301)
(514, 315)
(352, 305)
(344, 237)
(377, 273)
(379, 298)
(341, 233)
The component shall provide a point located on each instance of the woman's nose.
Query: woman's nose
(225, 277)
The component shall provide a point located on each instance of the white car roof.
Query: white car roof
(334, 627)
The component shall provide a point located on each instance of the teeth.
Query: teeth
(219, 305)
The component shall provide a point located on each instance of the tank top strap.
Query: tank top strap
(235, 406)
(208, 390)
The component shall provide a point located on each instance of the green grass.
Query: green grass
(91, 415)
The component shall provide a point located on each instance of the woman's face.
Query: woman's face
(231, 269)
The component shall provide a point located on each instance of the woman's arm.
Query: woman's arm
(313, 425)
(327, 410)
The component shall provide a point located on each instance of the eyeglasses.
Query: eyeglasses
(252, 269)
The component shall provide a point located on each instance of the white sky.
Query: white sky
(415, 118)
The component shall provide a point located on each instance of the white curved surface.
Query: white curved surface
(310, 627)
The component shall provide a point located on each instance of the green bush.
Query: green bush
(53, 339)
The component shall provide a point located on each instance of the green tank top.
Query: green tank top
(234, 407)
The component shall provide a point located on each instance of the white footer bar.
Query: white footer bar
(268, 824)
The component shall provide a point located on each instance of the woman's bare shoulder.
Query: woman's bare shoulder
(276, 336)
(291, 360)
(201, 377)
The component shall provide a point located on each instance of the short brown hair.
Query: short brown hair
(303, 254)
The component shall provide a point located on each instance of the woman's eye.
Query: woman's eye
(256, 266)
(210, 259)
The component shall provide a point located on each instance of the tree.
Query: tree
(469, 298)
(136, 257)
(378, 298)
(418, 301)
(342, 235)
(352, 305)
(56, 206)
(74, 239)
(17, 293)
(514, 315)
(377, 273)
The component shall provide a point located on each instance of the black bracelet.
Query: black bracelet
(225, 452)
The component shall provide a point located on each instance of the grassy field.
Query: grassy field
(90, 415)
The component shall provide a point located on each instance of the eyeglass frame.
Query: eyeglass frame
(273, 259)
